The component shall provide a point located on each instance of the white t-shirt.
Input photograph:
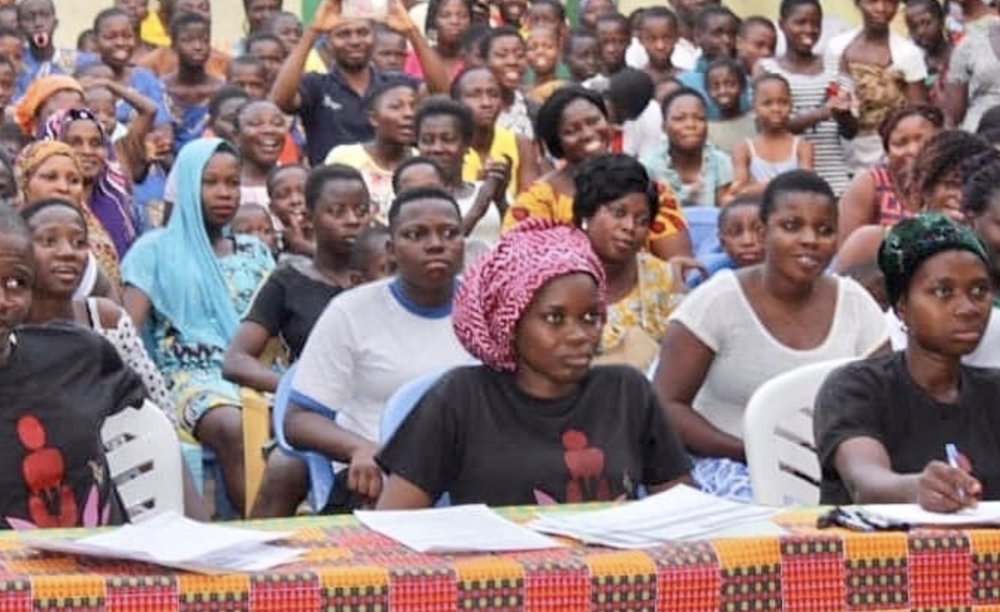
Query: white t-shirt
(487, 231)
(684, 57)
(986, 355)
(644, 135)
(747, 355)
(366, 345)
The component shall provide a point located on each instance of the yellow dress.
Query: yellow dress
(647, 306)
(541, 200)
(152, 31)
(504, 143)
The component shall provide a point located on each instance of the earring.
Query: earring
(583, 225)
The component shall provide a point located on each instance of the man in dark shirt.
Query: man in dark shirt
(332, 105)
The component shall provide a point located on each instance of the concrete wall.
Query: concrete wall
(227, 19)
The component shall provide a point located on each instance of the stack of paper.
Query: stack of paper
(681, 513)
(172, 540)
(472, 528)
(985, 513)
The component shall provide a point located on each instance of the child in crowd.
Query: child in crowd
(269, 49)
(544, 59)
(716, 36)
(726, 84)
(591, 10)
(613, 36)
(388, 49)
(740, 231)
(222, 109)
(191, 87)
(657, 33)
(756, 39)
(583, 55)
(86, 42)
(512, 12)
(775, 149)
(248, 73)
(699, 173)
(8, 81)
(12, 47)
(369, 259)
(12, 139)
(255, 220)
(288, 28)
(286, 193)
(547, 13)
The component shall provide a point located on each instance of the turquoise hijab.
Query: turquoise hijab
(176, 266)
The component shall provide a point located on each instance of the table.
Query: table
(352, 569)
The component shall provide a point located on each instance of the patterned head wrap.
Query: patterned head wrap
(37, 93)
(35, 154)
(499, 286)
(915, 240)
(111, 197)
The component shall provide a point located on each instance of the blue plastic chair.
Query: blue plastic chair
(703, 227)
(321, 476)
(403, 401)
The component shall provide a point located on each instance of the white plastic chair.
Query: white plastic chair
(778, 436)
(144, 456)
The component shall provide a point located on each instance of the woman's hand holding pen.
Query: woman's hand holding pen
(946, 488)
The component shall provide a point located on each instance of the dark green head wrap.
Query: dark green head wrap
(917, 239)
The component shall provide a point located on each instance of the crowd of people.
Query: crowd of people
(594, 234)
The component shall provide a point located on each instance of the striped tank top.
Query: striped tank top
(809, 93)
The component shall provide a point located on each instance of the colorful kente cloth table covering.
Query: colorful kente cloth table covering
(348, 568)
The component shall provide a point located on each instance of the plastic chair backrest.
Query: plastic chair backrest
(703, 227)
(321, 474)
(144, 458)
(402, 402)
(778, 436)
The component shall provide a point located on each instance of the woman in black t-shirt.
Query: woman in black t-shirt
(883, 425)
(57, 385)
(535, 423)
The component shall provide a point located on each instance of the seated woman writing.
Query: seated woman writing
(882, 424)
(535, 423)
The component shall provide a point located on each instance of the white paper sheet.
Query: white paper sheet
(985, 513)
(469, 528)
(681, 513)
(175, 541)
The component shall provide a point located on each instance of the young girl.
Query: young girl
(286, 192)
(255, 220)
(57, 385)
(699, 173)
(775, 149)
(544, 59)
(740, 232)
(185, 286)
(821, 107)
(725, 83)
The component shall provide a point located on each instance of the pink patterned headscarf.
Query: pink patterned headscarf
(499, 286)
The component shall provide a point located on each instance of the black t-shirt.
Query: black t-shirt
(333, 113)
(877, 398)
(477, 436)
(288, 305)
(55, 391)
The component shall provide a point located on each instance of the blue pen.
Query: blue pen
(951, 451)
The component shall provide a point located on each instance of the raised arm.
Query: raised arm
(435, 75)
(285, 91)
